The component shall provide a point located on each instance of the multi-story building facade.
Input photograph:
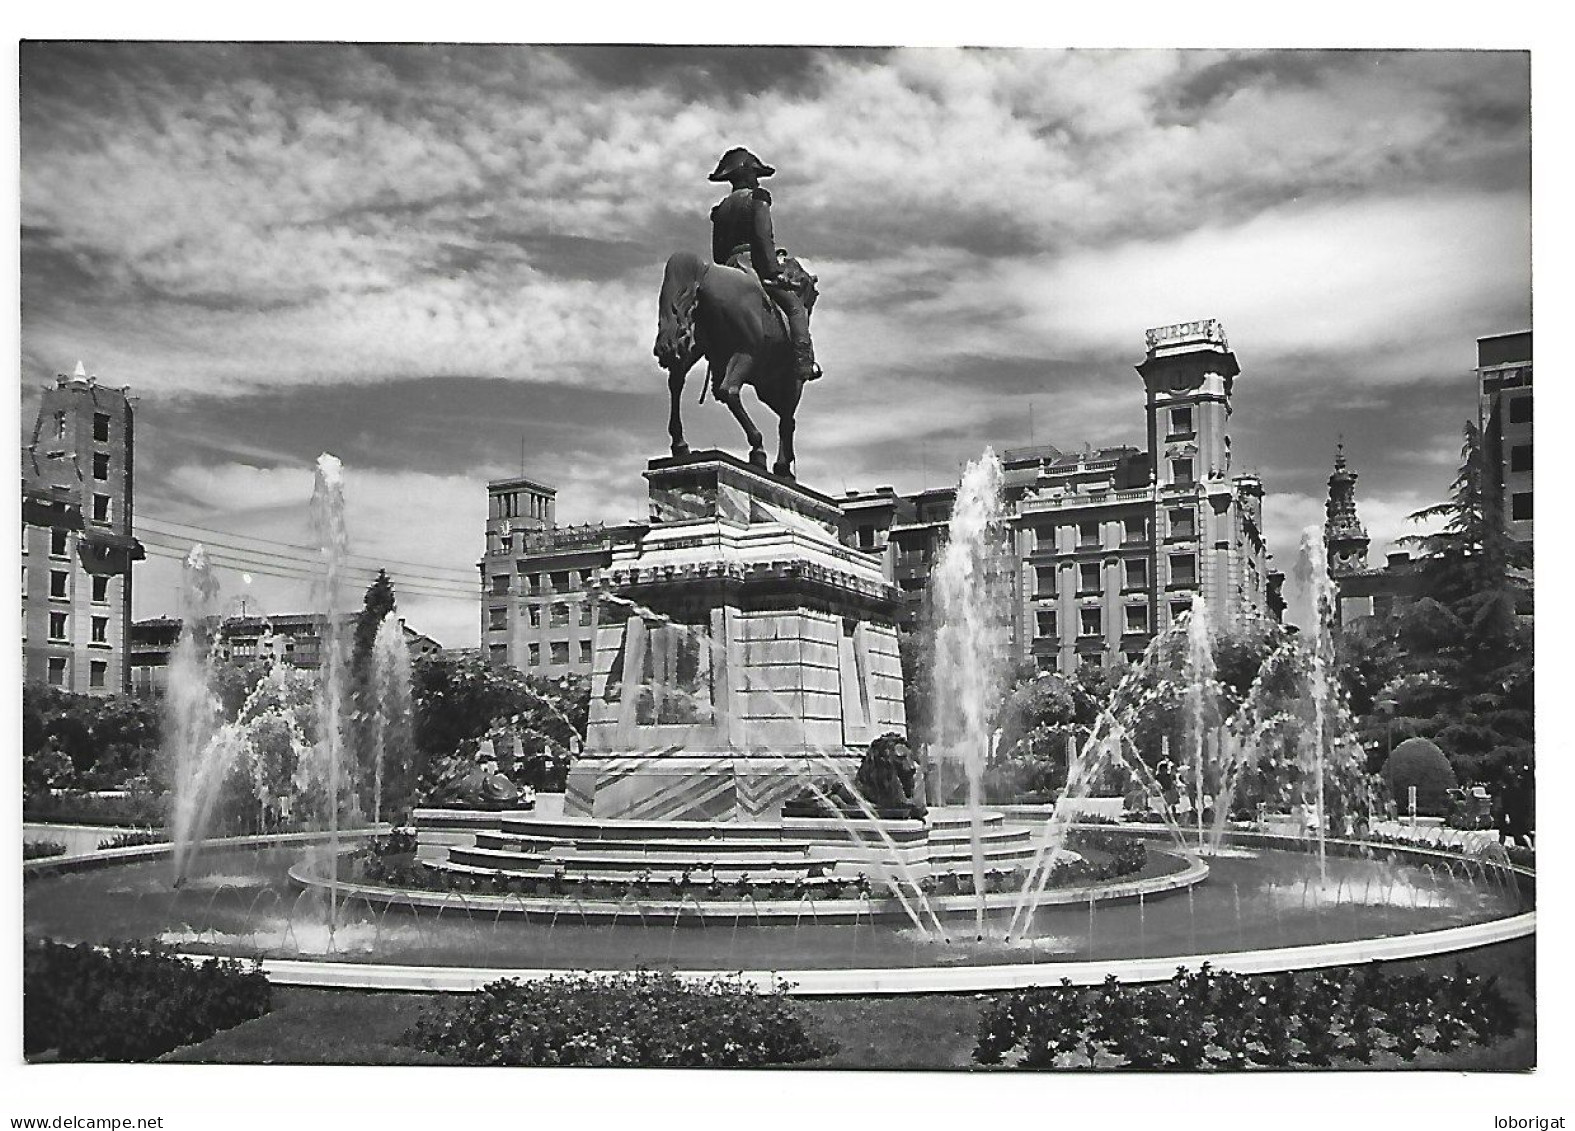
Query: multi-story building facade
(294, 638)
(1504, 417)
(540, 594)
(1110, 546)
(77, 544)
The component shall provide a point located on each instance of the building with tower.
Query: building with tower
(1111, 545)
(1361, 590)
(77, 544)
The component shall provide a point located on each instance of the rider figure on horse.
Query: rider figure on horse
(741, 236)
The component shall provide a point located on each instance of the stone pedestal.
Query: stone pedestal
(743, 648)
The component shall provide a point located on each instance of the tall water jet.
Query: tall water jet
(328, 526)
(191, 713)
(1312, 603)
(1199, 672)
(392, 704)
(969, 589)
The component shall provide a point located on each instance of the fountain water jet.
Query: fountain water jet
(191, 714)
(971, 639)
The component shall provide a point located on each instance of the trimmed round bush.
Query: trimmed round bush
(1418, 762)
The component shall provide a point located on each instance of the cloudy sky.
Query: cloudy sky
(430, 260)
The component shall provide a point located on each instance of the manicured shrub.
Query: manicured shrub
(40, 849)
(1418, 762)
(1211, 1019)
(638, 1019)
(129, 1002)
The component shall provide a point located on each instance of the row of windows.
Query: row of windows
(558, 616)
(60, 586)
(558, 581)
(59, 667)
(60, 628)
(100, 426)
(520, 504)
(557, 653)
(1134, 571)
(1091, 621)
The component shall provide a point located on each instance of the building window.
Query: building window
(560, 651)
(100, 630)
(1520, 410)
(1183, 569)
(59, 583)
(585, 652)
(1088, 534)
(98, 671)
(534, 581)
(1136, 571)
(1090, 660)
(1044, 624)
(57, 626)
(560, 581)
(1181, 421)
(866, 537)
(1044, 581)
(500, 584)
(1091, 621)
(1520, 457)
(585, 579)
(1183, 523)
(60, 425)
(1179, 609)
(1134, 529)
(1137, 618)
(497, 619)
(100, 508)
(505, 543)
(101, 427)
(560, 615)
(535, 654)
(100, 465)
(535, 616)
(1181, 472)
(57, 671)
(1044, 538)
(498, 655)
(1088, 577)
(1520, 506)
(59, 543)
(587, 613)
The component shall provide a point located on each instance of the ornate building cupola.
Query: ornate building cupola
(1344, 536)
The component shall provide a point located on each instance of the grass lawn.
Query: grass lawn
(927, 1031)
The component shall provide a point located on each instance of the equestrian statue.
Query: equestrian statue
(746, 313)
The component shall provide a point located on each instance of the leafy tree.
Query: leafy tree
(1461, 670)
(379, 602)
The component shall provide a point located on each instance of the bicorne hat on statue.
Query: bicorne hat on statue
(737, 160)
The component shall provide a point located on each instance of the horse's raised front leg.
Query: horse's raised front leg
(733, 382)
(675, 423)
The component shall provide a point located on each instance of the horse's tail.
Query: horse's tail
(676, 347)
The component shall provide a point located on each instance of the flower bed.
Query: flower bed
(1213, 1019)
(129, 1001)
(639, 1019)
(42, 849)
(134, 838)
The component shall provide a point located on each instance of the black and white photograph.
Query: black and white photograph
(1007, 561)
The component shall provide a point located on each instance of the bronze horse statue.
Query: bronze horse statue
(723, 314)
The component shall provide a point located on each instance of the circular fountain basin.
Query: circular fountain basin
(1266, 905)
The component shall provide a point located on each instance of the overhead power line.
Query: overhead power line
(206, 535)
(225, 560)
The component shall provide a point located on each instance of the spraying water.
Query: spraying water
(1314, 609)
(191, 713)
(391, 719)
(328, 525)
(971, 639)
(1199, 694)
